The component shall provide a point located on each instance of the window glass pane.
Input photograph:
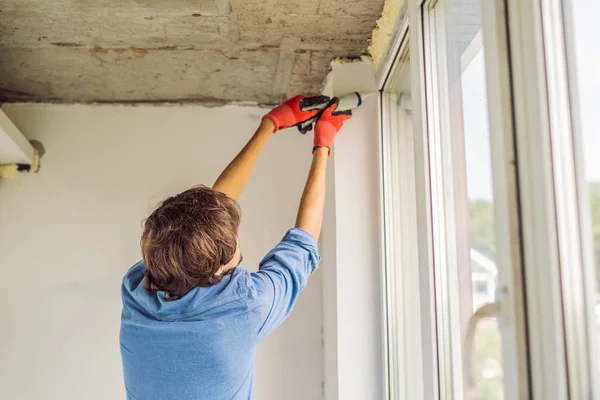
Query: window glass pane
(481, 239)
(467, 180)
(587, 52)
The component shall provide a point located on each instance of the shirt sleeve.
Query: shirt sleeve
(282, 275)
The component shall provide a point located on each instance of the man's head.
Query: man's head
(191, 240)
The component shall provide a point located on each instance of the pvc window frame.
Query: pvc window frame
(586, 244)
(449, 338)
(549, 376)
(555, 257)
(437, 243)
(547, 296)
(574, 250)
(424, 381)
(562, 159)
(410, 345)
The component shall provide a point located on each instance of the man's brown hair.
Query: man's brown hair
(187, 239)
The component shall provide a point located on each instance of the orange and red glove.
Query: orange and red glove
(329, 125)
(290, 113)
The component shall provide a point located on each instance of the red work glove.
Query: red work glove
(328, 126)
(289, 113)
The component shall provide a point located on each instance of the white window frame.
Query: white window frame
(403, 339)
(565, 198)
(427, 299)
(509, 257)
(410, 347)
(445, 245)
(550, 232)
(586, 243)
(544, 246)
(510, 302)
(574, 249)
(438, 362)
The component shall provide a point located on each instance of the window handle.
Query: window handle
(485, 311)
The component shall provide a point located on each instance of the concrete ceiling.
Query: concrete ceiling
(211, 51)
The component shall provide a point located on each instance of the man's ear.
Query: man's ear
(219, 271)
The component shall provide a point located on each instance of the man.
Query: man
(191, 320)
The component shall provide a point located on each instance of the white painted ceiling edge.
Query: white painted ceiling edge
(14, 147)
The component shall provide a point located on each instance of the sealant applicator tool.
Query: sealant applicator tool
(351, 100)
(345, 105)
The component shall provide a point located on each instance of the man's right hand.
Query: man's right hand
(328, 126)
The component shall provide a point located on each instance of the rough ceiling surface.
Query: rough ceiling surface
(211, 51)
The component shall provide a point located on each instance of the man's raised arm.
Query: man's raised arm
(312, 204)
(284, 272)
(234, 178)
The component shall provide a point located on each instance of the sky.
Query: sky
(587, 51)
(477, 131)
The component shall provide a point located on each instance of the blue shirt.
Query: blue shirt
(202, 345)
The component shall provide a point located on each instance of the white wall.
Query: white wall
(68, 234)
(352, 262)
(358, 251)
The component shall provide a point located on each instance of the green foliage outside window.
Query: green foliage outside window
(487, 339)
(481, 226)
